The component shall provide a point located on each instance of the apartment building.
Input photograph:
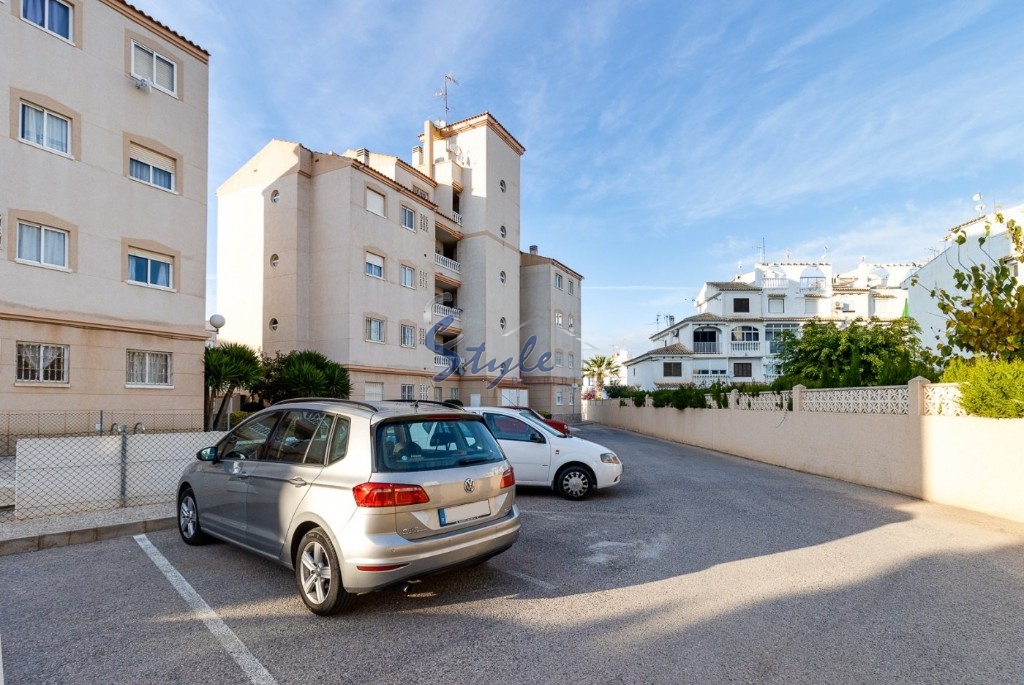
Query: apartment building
(734, 337)
(406, 273)
(550, 311)
(103, 156)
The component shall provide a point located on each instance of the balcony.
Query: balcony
(444, 310)
(812, 285)
(707, 348)
(775, 283)
(446, 263)
(746, 346)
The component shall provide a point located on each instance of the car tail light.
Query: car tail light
(375, 569)
(508, 479)
(388, 495)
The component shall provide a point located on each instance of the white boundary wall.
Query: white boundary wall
(964, 461)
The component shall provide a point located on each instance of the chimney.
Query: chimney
(533, 249)
(671, 320)
(417, 156)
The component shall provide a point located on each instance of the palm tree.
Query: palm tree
(600, 368)
(227, 368)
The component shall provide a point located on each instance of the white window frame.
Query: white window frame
(407, 391)
(148, 369)
(151, 258)
(572, 323)
(46, 19)
(558, 281)
(424, 392)
(811, 305)
(572, 360)
(40, 351)
(376, 202)
(776, 305)
(375, 330)
(408, 335)
(558, 319)
(558, 358)
(572, 287)
(453, 394)
(408, 218)
(558, 397)
(48, 117)
(374, 266)
(150, 73)
(408, 277)
(141, 159)
(44, 233)
(373, 391)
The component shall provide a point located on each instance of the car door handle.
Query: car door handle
(297, 481)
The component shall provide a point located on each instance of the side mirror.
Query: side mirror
(207, 454)
(537, 437)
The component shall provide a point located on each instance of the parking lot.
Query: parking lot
(698, 568)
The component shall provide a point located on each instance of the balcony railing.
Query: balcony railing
(812, 285)
(457, 218)
(745, 346)
(775, 283)
(442, 361)
(706, 348)
(447, 263)
(444, 310)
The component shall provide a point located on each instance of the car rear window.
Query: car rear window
(427, 444)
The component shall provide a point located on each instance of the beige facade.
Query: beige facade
(362, 256)
(103, 156)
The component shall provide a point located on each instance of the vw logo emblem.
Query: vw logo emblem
(468, 485)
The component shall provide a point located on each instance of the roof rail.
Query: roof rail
(338, 400)
(441, 403)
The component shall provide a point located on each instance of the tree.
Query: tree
(599, 368)
(861, 353)
(302, 373)
(985, 310)
(227, 368)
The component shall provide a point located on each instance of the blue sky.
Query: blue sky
(666, 142)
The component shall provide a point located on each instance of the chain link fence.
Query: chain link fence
(55, 464)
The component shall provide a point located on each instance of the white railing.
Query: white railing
(444, 310)
(706, 348)
(814, 285)
(775, 283)
(447, 263)
(457, 218)
(442, 361)
(745, 346)
(943, 399)
(891, 399)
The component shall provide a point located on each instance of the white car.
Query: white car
(541, 455)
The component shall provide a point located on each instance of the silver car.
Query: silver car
(354, 496)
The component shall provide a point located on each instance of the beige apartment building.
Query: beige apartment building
(387, 267)
(103, 156)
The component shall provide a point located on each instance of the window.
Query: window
(558, 397)
(42, 245)
(408, 276)
(375, 202)
(408, 391)
(374, 265)
(572, 287)
(672, 369)
(503, 232)
(46, 129)
(150, 270)
(501, 185)
(454, 394)
(155, 68)
(374, 330)
(810, 305)
(148, 368)
(502, 323)
(52, 15)
(558, 319)
(773, 335)
(572, 360)
(373, 392)
(745, 334)
(741, 304)
(408, 336)
(776, 305)
(422, 193)
(502, 277)
(150, 167)
(408, 219)
(424, 392)
(742, 369)
(558, 281)
(558, 358)
(40, 363)
(571, 324)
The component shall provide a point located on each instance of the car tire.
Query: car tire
(188, 519)
(318, 574)
(575, 482)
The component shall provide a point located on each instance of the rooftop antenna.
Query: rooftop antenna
(443, 94)
(760, 252)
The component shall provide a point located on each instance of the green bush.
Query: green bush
(994, 389)
(455, 401)
(639, 398)
(661, 398)
(616, 392)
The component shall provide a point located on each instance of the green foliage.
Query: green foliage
(985, 311)
(616, 391)
(456, 402)
(989, 388)
(864, 353)
(236, 417)
(302, 373)
(227, 368)
(639, 398)
(600, 368)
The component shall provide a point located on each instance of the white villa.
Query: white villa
(734, 336)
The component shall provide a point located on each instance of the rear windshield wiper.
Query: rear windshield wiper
(474, 460)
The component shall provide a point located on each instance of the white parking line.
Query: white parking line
(238, 651)
(529, 579)
(1, 664)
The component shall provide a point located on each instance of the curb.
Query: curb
(35, 543)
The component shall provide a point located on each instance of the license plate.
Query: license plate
(464, 512)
